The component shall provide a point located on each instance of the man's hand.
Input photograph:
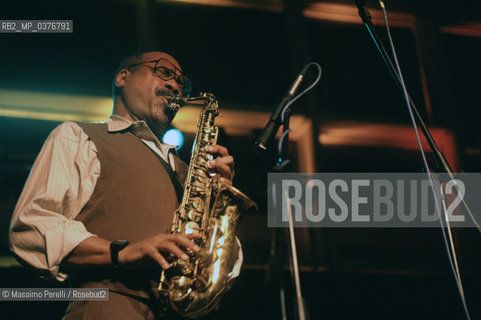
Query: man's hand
(224, 163)
(157, 248)
(95, 251)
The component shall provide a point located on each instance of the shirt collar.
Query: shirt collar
(116, 123)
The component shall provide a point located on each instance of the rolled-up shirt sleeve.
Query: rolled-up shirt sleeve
(43, 230)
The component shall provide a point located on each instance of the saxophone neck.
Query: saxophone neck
(203, 99)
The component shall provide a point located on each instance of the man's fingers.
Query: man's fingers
(222, 179)
(192, 235)
(172, 248)
(186, 241)
(223, 168)
(156, 248)
(218, 149)
(227, 160)
(224, 165)
(157, 257)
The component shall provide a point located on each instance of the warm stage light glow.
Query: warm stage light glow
(383, 135)
(465, 29)
(268, 5)
(53, 106)
(349, 14)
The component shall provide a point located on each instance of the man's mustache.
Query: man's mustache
(163, 93)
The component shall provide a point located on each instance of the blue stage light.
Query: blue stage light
(175, 137)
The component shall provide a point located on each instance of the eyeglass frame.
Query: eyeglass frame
(181, 79)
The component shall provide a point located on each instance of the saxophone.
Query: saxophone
(211, 209)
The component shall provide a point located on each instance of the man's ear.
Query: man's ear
(121, 78)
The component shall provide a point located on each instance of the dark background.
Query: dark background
(248, 53)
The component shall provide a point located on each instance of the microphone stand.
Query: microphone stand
(440, 159)
(275, 260)
(281, 116)
(442, 163)
(438, 155)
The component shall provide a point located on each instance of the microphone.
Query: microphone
(363, 12)
(275, 120)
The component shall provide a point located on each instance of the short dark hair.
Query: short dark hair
(129, 60)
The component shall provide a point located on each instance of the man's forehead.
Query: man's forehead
(154, 55)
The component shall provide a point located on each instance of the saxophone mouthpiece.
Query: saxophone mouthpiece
(173, 106)
(177, 102)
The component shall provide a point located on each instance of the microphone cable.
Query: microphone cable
(285, 132)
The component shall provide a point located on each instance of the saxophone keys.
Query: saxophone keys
(191, 226)
(184, 282)
(198, 204)
(200, 175)
(185, 267)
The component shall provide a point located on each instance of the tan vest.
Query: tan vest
(133, 199)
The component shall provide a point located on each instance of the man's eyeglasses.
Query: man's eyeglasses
(165, 70)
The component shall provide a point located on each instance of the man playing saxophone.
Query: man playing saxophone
(99, 201)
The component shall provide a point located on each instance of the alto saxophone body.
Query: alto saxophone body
(211, 209)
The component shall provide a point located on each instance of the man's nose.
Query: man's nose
(173, 86)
